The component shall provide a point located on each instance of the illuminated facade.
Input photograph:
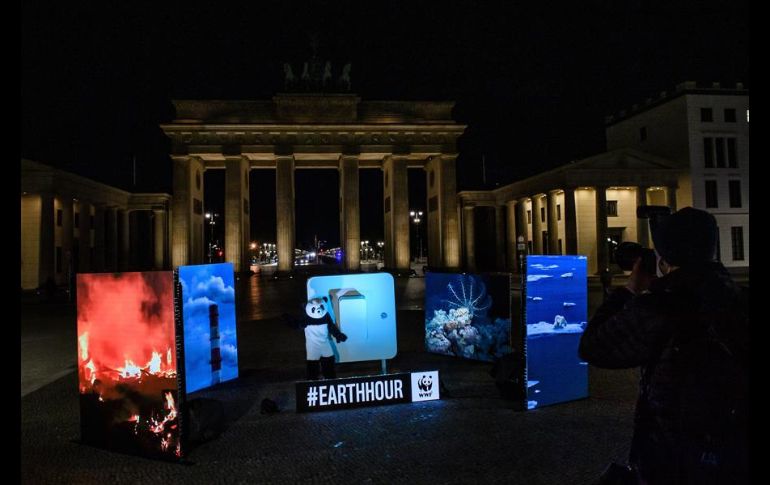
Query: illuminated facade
(703, 129)
(71, 224)
(585, 207)
(303, 131)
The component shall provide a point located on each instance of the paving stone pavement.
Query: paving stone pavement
(470, 436)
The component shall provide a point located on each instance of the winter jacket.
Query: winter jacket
(689, 335)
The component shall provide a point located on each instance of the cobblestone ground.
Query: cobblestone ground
(470, 436)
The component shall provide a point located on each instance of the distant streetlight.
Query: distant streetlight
(416, 216)
(211, 218)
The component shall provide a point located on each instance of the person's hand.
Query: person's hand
(342, 338)
(639, 280)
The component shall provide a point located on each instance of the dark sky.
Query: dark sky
(532, 82)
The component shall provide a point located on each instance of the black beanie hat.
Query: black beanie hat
(686, 237)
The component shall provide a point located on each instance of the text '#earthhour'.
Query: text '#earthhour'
(354, 393)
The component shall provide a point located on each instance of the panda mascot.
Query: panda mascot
(318, 325)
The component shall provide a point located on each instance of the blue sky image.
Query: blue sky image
(370, 337)
(202, 286)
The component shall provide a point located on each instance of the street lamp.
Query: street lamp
(380, 245)
(210, 216)
(416, 219)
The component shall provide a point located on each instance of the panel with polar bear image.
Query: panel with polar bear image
(363, 307)
(468, 315)
(556, 309)
(208, 312)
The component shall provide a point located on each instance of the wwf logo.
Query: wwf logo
(425, 383)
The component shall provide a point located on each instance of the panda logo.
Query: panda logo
(425, 383)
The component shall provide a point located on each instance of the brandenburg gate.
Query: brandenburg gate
(315, 131)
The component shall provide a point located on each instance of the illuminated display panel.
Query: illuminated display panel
(363, 306)
(556, 315)
(208, 312)
(468, 315)
(127, 363)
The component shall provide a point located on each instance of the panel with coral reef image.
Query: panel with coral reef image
(468, 315)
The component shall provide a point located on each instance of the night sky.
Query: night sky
(533, 83)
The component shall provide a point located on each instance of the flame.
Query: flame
(83, 341)
(130, 370)
(91, 371)
(168, 356)
(134, 419)
(170, 405)
(154, 363)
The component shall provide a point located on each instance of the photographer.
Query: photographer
(688, 331)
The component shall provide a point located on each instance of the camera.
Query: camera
(627, 253)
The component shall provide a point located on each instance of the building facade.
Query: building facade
(71, 224)
(302, 131)
(704, 130)
(585, 207)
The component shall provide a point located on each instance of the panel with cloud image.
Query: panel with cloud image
(208, 312)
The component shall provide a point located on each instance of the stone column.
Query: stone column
(642, 225)
(111, 239)
(47, 253)
(510, 236)
(124, 235)
(553, 223)
(350, 222)
(671, 197)
(187, 212)
(237, 212)
(84, 258)
(66, 238)
(499, 238)
(284, 205)
(159, 240)
(98, 263)
(470, 237)
(443, 226)
(602, 248)
(396, 207)
(537, 225)
(570, 222)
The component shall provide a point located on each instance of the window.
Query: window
(59, 216)
(729, 115)
(720, 146)
(737, 237)
(706, 114)
(734, 188)
(542, 214)
(732, 158)
(708, 152)
(77, 220)
(58, 258)
(558, 212)
(529, 217)
(642, 133)
(711, 194)
(612, 208)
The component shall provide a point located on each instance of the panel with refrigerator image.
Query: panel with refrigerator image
(363, 306)
(556, 315)
(468, 315)
(208, 312)
(127, 366)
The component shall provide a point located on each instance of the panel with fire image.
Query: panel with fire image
(127, 363)
(208, 308)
